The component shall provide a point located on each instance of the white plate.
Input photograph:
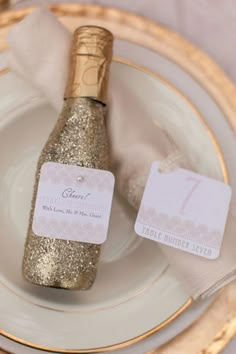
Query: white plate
(135, 293)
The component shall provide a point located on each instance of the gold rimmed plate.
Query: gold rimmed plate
(143, 284)
(129, 46)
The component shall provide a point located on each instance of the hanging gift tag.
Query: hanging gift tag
(73, 203)
(184, 210)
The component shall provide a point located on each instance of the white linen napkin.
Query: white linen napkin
(39, 51)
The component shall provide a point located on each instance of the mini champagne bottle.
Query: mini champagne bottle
(79, 138)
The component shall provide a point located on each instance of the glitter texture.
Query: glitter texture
(79, 138)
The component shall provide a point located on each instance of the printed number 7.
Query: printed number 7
(196, 183)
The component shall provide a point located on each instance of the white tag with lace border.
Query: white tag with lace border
(73, 203)
(184, 210)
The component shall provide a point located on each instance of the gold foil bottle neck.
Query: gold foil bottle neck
(91, 54)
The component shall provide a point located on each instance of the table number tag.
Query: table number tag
(73, 203)
(184, 210)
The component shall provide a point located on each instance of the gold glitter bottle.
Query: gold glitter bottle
(79, 138)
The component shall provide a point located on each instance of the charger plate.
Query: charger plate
(164, 51)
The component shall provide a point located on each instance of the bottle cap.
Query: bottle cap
(91, 55)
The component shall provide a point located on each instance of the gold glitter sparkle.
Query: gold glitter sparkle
(79, 138)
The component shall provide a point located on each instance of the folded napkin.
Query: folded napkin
(39, 50)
